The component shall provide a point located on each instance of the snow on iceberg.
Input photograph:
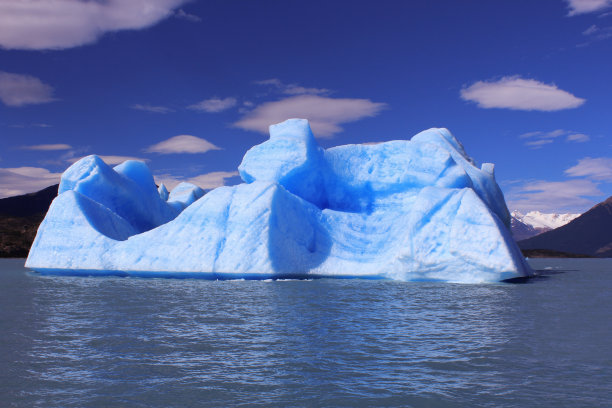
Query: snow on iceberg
(406, 210)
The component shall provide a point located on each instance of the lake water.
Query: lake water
(79, 341)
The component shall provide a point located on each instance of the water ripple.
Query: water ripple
(70, 341)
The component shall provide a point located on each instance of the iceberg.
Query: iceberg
(411, 210)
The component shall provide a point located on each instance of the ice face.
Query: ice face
(406, 210)
(128, 191)
(163, 192)
(184, 195)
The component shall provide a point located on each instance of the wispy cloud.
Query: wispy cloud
(214, 105)
(20, 90)
(206, 181)
(110, 160)
(517, 93)
(576, 194)
(553, 196)
(544, 135)
(537, 139)
(59, 24)
(57, 146)
(587, 6)
(325, 114)
(291, 89)
(186, 16)
(182, 144)
(578, 138)
(536, 144)
(31, 125)
(595, 168)
(213, 179)
(596, 33)
(151, 108)
(23, 180)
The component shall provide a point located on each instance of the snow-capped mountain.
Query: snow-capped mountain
(535, 222)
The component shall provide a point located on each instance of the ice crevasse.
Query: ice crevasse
(410, 210)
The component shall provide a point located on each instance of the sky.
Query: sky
(190, 86)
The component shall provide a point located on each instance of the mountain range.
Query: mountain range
(19, 220)
(535, 222)
(548, 234)
(589, 234)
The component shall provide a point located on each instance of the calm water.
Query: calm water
(75, 341)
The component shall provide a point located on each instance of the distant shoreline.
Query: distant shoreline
(549, 253)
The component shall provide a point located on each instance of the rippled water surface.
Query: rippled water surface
(78, 341)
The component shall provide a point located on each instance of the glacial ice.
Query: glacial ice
(407, 210)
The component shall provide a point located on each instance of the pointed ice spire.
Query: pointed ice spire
(163, 192)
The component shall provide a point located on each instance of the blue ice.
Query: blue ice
(409, 210)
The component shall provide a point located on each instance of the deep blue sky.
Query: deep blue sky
(523, 84)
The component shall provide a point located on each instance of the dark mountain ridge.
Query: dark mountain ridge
(20, 217)
(28, 204)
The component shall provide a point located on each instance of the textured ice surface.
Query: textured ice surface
(407, 210)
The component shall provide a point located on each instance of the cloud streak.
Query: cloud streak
(553, 196)
(110, 160)
(517, 93)
(587, 6)
(578, 138)
(182, 144)
(152, 108)
(47, 147)
(291, 89)
(214, 105)
(181, 14)
(577, 194)
(60, 24)
(19, 90)
(595, 168)
(23, 180)
(538, 139)
(325, 114)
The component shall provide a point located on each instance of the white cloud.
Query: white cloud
(291, 89)
(57, 146)
(20, 90)
(186, 16)
(214, 105)
(59, 24)
(587, 6)
(596, 33)
(578, 138)
(517, 93)
(23, 180)
(536, 144)
(300, 90)
(38, 125)
(595, 168)
(182, 144)
(575, 195)
(272, 82)
(206, 181)
(553, 196)
(110, 160)
(591, 30)
(538, 139)
(213, 179)
(325, 114)
(544, 135)
(151, 108)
